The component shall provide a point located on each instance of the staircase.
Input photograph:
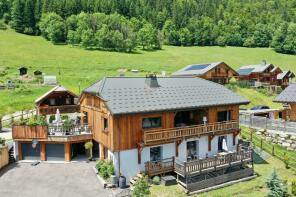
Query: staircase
(11, 155)
(134, 180)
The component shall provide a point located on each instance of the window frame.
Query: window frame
(151, 124)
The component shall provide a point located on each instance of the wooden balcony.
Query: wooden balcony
(170, 135)
(29, 132)
(45, 110)
(199, 166)
(52, 133)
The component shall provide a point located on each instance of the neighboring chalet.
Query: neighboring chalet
(218, 72)
(55, 140)
(155, 125)
(57, 98)
(264, 75)
(288, 98)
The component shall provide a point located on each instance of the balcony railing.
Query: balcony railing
(198, 166)
(171, 134)
(62, 109)
(68, 130)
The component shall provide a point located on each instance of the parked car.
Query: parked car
(259, 107)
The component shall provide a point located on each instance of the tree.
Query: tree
(279, 37)
(17, 16)
(29, 17)
(185, 37)
(290, 40)
(38, 12)
(146, 36)
(87, 38)
(141, 187)
(73, 37)
(276, 186)
(53, 27)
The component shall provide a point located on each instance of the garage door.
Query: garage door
(55, 152)
(30, 153)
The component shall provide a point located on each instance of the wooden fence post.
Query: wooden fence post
(261, 143)
(272, 152)
(251, 135)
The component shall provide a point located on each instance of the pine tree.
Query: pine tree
(38, 11)
(29, 17)
(276, 186)
(17, 15)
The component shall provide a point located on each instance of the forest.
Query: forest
(123, 25)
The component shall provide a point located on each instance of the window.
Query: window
(224, 116)
(151, 122)
(52, 101)
(68, 101)
(155, 153)
(105, 124)
(85, 118)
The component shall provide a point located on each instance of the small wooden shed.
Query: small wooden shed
(23, 71)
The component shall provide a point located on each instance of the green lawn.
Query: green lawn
(74, 65)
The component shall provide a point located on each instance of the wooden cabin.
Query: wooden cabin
(218, 72)
(288, 98)
(57, 98)
(23, 71)
(257, 75)
(151, 124)
(285, 78)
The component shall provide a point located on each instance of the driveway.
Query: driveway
(50, 180)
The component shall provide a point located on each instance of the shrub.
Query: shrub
(2, 26)
(51, 118)
(105, 168)
(276, 186)
(293, 185)
(65, 117)
(156, 180)
(141, 187)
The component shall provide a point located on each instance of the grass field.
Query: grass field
(74, 65)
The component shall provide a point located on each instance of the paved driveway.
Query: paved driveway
(50, 180)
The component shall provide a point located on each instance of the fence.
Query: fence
(3, 156)
(278, 151)
(8, 119)
(267, 123)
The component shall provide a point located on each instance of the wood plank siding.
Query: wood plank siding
(29, 132)
(126, 131)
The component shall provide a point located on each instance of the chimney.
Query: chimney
(151, 81)
(263, 62)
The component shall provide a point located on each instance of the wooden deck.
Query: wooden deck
(200, 166)
(44, 110)
(170, 135)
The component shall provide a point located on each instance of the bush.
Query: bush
(141, 187)
(51, 118)
(276, 186)
(286, 160)
(293, 185)
(105, 168)
(156, 180)
(35, 121)
(2, 26)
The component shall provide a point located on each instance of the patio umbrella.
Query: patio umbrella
(224, 145)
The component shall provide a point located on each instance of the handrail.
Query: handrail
(173, 133)
(71, 130)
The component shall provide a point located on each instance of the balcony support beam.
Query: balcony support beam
(178, 142)
(140, 148)
(235, 133)
(210, 138)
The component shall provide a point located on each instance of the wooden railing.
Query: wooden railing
(171, 134)
(197, 166)
(29, 132)
(159, 167)
(68, 130)
(62, 109)
(212, 164)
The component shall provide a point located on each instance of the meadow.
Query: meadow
(74, 65)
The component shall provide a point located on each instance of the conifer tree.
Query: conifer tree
(17, 16)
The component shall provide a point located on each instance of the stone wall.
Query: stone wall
(286, 140)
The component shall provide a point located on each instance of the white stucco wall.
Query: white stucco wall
(129, 158)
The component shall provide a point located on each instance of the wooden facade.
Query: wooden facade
(126, 131)
(29, 132)
(222, 74)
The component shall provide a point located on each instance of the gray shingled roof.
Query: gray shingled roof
(197, 69)
(125, 95)
(288, 95)
(259, 68)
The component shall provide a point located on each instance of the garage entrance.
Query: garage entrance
(55, 152)
(78, 151)
(30, 153)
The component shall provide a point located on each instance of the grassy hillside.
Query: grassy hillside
(74, 65)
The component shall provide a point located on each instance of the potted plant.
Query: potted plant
(88, 146)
